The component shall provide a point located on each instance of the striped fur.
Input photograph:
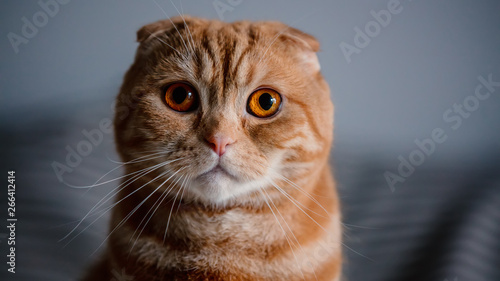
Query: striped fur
(274, 214)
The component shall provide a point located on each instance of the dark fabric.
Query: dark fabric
(443, 223)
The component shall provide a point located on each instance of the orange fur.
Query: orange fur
(274, 213)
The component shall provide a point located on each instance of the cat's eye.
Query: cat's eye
(264, 103)
(181, 97)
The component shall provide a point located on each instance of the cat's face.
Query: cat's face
(225, 111)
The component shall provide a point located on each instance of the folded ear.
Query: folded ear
(307, 44)
(153, 29)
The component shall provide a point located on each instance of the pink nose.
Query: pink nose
(219, 143)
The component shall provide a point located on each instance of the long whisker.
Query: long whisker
(137, 207)
(291, 232)
(303, 192)
(162, 197)
(164, 193)
(283, 230)
(162, 41)
(347, 225)
(191, 42)
(107, 209)
(96, 183)
(178, 32)
(141, 158)
(182, 194)
(293, 200)
(356, 252)
(283, 192)
(170, 215)
(133, 179)
(124, 184)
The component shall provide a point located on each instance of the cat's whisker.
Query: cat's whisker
(164, 193)
(266, 59)
(293, 235)
(127, 182)
(356, 252)
(191, 42)
(135, 178)
(165, 43)
(301, 190)
(265, 196)
(309, 195)
(182, 8)
(294, 202)
(106, 210)
(97, 212)
(183, 187)
(96, 183)
(269, 46)
(157, 203)
(176, 29)
(110, 195)
(347, 225)
(124, 176)
(141, 158)
(349, 248)
(292, 199)
(137, 207)
(170, 215)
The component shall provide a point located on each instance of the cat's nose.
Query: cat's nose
(218, 143)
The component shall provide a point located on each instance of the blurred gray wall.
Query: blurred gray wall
(394, 90)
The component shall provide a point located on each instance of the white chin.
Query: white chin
(214, 187)
(218, 187)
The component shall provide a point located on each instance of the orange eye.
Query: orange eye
(264, 103)
(181, 97)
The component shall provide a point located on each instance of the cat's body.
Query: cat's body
(240, 190)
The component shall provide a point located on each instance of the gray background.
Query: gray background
(394, 91)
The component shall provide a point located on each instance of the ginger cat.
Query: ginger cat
(225, 129)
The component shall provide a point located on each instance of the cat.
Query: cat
(225, 130)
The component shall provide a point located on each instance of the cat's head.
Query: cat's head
(224, 111)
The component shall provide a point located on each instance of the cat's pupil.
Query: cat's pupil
(266, 101)
(179, 95)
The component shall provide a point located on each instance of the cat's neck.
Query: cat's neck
(237, 235)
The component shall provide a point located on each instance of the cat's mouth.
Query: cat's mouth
(217, 171)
